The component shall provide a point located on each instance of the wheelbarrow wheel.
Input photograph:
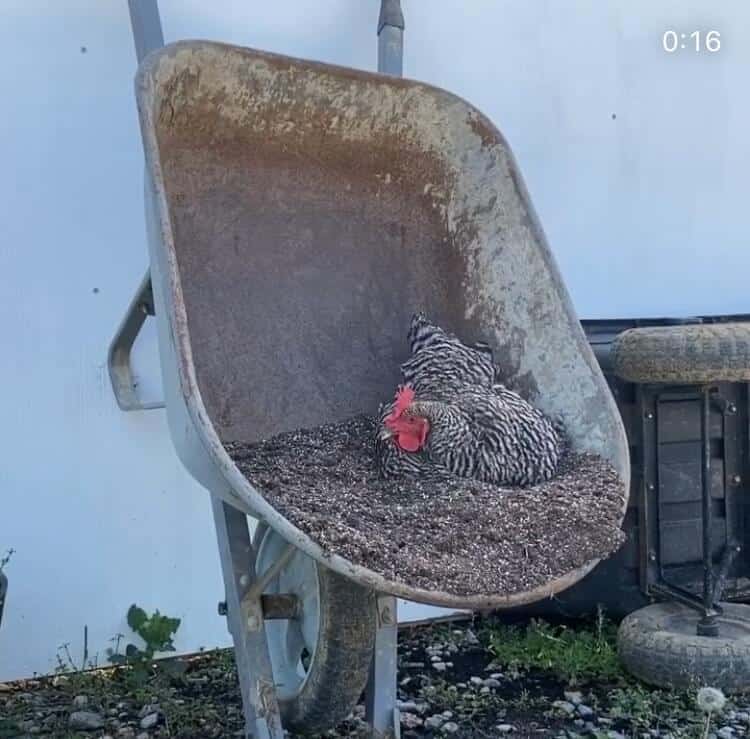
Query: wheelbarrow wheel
(658, 644)
(685, 354)
(321, 659)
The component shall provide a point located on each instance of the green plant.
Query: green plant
(65, 661)
(6, 558)
(573, 654)
(157, 632)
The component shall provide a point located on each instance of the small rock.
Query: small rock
(57, 681)
(484, 690)
(439, 666)
(589, 726)
(573, 696)
(471, 637)
(86, 720)
(142, 735)
(565, 707)
(743, 716)
(584, 711)
(406, 706)
(148, 709)
(476, 680)
(5, 688)
(615, 735)
(435, 658)
(725, 732)
(434, 722)
(447, 714)
(604, 721)
(579, 722)
(80, 701)
(492, 682)
(149, 721)
(126, 732)
(504, 728)
(405, 681)
(450, 727)
(449, 664)
(410, 721)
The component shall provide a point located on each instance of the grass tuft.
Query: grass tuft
(588, 653)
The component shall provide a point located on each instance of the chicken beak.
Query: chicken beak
(386, 434)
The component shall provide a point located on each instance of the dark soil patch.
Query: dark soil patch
(452, 534)
(471, 697)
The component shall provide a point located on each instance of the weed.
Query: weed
(6, 558)
(66, 662)
(156, 632)
(572, 654)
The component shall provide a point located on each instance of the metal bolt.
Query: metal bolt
(649, 415)
(222, 608)
(652, 556)
(252, 622)
(736, 479)
(731, 408)
(651, 486)
(244, 580)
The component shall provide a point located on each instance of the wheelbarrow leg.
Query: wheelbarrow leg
(380, 698)
(245, 621)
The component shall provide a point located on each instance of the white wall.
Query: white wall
(638, 210)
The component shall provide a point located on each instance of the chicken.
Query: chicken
(453, 416)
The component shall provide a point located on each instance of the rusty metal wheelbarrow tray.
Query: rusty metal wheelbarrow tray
(298, 214)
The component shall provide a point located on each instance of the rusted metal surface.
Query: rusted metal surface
(303, 213)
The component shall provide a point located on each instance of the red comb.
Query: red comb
(404, 398)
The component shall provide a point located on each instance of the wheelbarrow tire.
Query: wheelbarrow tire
(658, 644)
(340, 664)
(690, 354)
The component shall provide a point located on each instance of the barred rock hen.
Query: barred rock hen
(452, 416)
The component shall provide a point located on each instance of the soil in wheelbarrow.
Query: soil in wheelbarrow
(454, 535)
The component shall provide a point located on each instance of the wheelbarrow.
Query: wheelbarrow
(293, 206)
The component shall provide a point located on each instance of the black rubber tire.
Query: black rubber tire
(658, 645)
(338, 672)
(691, 354)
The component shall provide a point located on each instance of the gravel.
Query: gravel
(86, 720)
(452, 534)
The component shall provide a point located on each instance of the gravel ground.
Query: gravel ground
(449, 685)
(454, 535)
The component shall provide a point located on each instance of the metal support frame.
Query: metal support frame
(246, 623)
(124, 385)
(381, 710)
(147, 36)
(707, 604)
(708, 625)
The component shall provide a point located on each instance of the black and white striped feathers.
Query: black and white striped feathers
(477, 427)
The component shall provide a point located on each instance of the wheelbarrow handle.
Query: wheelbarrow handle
(124, 385)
